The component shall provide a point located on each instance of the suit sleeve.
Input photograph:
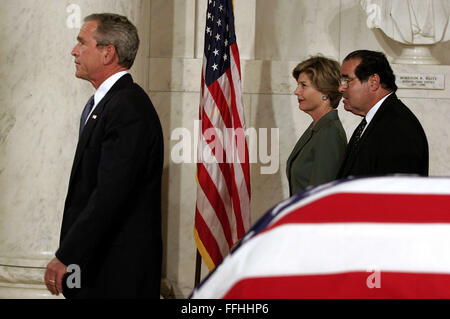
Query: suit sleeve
(329, 152)
(400, 144)
(126, 145)
(403, 152)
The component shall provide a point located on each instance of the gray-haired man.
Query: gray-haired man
(111, 225)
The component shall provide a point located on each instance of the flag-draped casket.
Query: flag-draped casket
(383, 237)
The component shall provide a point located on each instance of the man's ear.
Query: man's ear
(374, 82)
(109, 54)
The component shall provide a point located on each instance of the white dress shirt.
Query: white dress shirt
(104, 88)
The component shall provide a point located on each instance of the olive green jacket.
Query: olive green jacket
(318, 154)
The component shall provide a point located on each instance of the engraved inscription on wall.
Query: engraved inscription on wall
(420, 81)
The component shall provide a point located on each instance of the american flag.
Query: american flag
(222, 213)
(383, 237)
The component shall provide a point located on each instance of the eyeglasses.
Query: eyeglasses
(345, 81)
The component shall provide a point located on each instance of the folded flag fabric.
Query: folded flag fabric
(382, 237)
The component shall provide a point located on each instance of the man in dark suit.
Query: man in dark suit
(390, 138)
(111, 225)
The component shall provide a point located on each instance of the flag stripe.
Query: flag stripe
(216, 201)
(335, 248)
(241, 200)
(242, 156)
(359, 186)
(373, 208)
(241, 170)
(221, 155)
(352, 285)
(238, 114)
(220, 102)
(223, 182)
(207, 240)
(237, 208)
(212, 222)
(236, 60)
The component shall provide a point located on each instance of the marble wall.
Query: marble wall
(40, 102)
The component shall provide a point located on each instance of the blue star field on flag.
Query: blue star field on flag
(219, 35)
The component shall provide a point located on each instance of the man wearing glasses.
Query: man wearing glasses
(390, 139)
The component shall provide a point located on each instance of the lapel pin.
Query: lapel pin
(94, 116)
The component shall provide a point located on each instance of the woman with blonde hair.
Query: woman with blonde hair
(319, 152)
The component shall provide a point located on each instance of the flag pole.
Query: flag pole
(198, 268)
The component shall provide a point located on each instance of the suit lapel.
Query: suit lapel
(96, 115)
(297, 149)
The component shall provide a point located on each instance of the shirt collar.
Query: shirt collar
(374, 109)
(106, 86)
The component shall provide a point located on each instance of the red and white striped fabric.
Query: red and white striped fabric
(385, 237)
(222, 213)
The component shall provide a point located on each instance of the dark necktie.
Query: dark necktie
(359, 130)
(357, 136)
(85, 114)
(351, 150)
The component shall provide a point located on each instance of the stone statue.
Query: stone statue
(415, 23)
